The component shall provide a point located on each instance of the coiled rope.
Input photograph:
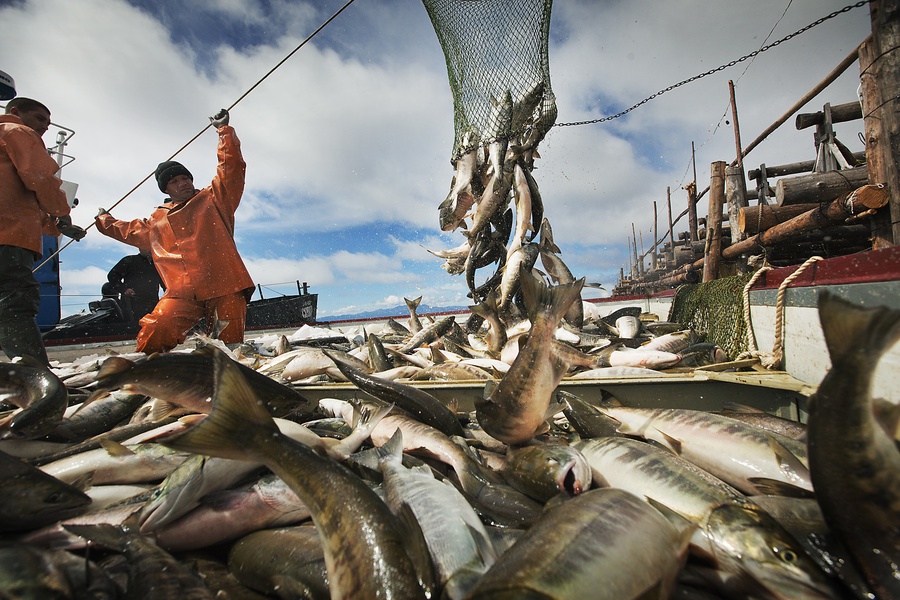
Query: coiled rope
(771, 360)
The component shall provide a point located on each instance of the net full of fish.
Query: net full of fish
(571, 484)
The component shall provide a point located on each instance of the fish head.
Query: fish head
(548, 470)
(750, 543)
(32, 498)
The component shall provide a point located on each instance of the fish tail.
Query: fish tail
(391, 450)
(104, 534)
(236, 410)
(540, 297)
(848, 327)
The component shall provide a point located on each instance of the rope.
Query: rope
(719, 68)
(751, 338)
(191, 141)
(774, 359)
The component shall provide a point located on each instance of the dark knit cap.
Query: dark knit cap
(167, 170)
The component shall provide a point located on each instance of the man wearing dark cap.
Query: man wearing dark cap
(191, 239)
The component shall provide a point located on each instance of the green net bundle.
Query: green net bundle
(715, 307)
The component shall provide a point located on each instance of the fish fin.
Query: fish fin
(417, 549)
(116, 448)
(83, 482)
(675, 518)
(737, 407)
(787, 460)
(673, 443)
(489, 387)
(601, 357)
(235, 407)
(286, 586)
(113, 366)
(846, 326)
(192, 419)
(774, 487)
(888, 414)
(555, 407)
(483, 544)
(162, 409)
(538, 296)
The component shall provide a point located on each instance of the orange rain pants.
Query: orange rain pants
(168, 324)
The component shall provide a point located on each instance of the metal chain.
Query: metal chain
(720, 68)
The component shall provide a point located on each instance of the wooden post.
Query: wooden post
(713, 249)
(739, 161)
(653, 258)
(691, 189)
(671, 227)
(642, 254)
(880, 75)
(736, 197)
(637, 268)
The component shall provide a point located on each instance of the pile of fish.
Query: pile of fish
(206, 473)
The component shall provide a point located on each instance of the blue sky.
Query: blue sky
(348, 143)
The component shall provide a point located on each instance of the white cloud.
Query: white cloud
(355, 129)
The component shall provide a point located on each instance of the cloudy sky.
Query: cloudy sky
(348, 142)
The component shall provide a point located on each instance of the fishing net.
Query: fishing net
(493, 47)
(715, 307)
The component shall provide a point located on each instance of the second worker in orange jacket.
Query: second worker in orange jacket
(191, 238)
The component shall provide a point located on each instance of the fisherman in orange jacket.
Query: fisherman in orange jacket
(191, 238)
(31, 203)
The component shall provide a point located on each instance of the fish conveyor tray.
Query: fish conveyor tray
(774, 392)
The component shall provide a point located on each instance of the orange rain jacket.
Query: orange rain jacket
(30, 192)
(193, 241)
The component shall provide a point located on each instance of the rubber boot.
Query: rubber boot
(22, 337)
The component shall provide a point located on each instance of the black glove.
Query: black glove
(220, 119)
(65, 226)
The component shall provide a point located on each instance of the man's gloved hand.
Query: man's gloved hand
(68, 229)
(220, 119)
(102, 212)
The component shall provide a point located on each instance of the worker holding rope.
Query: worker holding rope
(191, 239)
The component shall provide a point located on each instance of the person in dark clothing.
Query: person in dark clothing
(135, 282)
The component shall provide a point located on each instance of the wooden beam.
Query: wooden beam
(819, 187)
(753, 219)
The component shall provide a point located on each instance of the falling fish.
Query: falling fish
(517, 407)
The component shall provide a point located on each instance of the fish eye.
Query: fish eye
(786, 555)
(53, 498)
